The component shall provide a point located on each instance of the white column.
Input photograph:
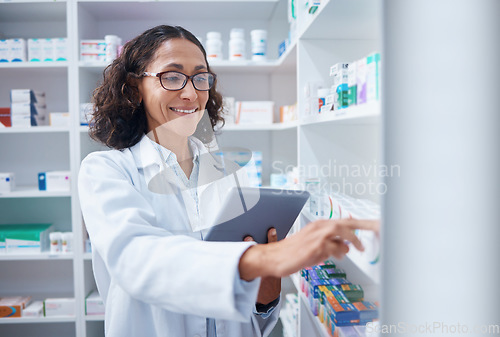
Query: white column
(441, 235)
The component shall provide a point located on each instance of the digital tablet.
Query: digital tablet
(252, 211)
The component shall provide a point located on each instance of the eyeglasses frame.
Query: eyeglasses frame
(145, 74)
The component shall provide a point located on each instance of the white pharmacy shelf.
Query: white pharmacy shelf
(367, 113)
(22, 320)
(33, 192)
(39, 256)
(35, 129)
(31, 65)
(90, 318)
(320, 328)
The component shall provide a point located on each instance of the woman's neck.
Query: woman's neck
(174, 143)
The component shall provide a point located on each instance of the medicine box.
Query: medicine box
(361, 73)
(13, 306)
(35, 50)
(373, 77)
(18, 50)
(59, 119)
(92, 51)
(35, 309)
(86, 111)
(5, 120)
(59, 307)
(4, 50)
(94, 305)
(254, 112)
(25, 238)
(339, 72)
(7, 182)
(54, 181)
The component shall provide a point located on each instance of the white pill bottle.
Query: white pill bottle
(259, 44)
(237, 44)
(214, 46)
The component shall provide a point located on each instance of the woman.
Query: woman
(148, 202)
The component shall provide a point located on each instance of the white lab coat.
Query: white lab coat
(155, 275)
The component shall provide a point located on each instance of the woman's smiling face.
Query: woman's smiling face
(176, 111)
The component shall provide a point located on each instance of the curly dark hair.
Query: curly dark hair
(119, 120)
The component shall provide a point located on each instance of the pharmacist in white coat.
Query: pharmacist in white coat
(148, 203)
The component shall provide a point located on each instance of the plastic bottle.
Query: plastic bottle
(214, 46)
(67, 242)
(112, 42)
(259, 44)
(55, 242)
(237, 44)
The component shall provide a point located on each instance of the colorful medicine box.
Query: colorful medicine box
(13, 306)
(368, 311)
(353, 292)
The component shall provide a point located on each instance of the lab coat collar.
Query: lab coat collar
(211, 168)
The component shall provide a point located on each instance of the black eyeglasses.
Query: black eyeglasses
(174, 80)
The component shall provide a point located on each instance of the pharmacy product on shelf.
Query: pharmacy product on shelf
(94, 305)
(373, 77)
(214, 46)
(254, 112)
(35, 309)
(335, 301)
(27, 108)
(59, 307)
(67, 242)
(55, 242)
(237, 44)
(13, 306)
(93, 51)
(13, 50)
(25, 238)
(54, 181)
(49, 49)
(259, 44)
(7, 182)
(86, 111)
(61, 119)
(339, 72)
(5, 117)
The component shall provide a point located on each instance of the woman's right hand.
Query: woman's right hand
(310, 246)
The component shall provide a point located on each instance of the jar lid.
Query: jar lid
(237, 33)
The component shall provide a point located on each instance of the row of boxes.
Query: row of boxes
(34, 50)
(52, 181)
(24, 238)
(355, 83)
(27, 108)
(22, 306)
(336, 301)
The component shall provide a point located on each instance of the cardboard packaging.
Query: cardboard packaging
(254, 112)
(94, 305)
(54, 181)
(7, 182)
(59, 307)
(26, 239)
(13, 306)
(35, 309)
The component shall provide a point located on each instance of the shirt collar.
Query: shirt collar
(145, 152)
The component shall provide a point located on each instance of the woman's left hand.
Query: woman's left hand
(270, 287)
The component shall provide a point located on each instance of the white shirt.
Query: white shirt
(155, 275)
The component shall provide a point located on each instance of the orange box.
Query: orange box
(13, 306)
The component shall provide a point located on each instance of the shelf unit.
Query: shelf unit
(340, 31)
